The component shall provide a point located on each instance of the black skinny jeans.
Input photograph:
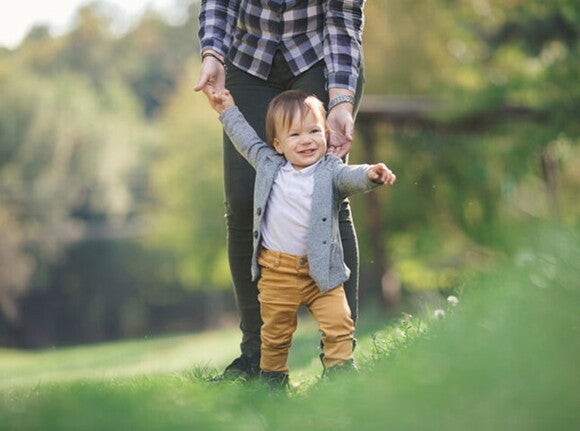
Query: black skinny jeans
(252, 96)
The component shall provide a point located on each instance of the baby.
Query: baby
(297, 253)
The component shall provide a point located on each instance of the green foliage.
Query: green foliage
(148, 58)
(68, 154)
(187, 182)
(466, 180)
(405, 47)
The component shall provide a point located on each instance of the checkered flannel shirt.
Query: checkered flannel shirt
(249, 32)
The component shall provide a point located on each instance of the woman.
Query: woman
(258, 49)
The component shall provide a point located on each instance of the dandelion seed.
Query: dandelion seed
(439, 314)
(452, 300)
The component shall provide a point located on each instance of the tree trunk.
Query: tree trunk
(388, 286)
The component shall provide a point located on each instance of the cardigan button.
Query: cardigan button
(255, 234)
(323, 218)
(259, 211)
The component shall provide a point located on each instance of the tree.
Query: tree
(465, 177)
(187, 216)
(68, 158)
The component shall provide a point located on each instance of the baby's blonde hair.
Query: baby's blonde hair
(283, 109)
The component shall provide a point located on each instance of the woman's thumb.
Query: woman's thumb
(200, 84)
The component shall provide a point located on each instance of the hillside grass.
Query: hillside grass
(505, 358)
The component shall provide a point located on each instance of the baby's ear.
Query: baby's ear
(277, 146)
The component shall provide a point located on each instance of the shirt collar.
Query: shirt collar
(305, 171)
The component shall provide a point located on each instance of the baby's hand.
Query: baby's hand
(221, 100)
(380, 174)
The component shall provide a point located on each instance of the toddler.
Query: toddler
(298, 257)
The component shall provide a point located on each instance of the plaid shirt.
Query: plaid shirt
(249, 32)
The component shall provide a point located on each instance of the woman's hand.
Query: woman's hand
(341, 127)
(212, 76)
(340, 123)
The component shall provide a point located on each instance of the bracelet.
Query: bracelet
(211, 54)
(340, 99)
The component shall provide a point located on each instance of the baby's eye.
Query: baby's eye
(315, 131)
(293, 134)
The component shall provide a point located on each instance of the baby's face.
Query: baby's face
(304, 142)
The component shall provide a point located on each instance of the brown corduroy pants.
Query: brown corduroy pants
(284, 286)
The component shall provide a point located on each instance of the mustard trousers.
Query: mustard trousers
(284, 286)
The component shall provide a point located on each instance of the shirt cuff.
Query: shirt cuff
(343, 80)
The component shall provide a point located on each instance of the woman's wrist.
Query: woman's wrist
(344, 98)
(341, 97)
(213, 54)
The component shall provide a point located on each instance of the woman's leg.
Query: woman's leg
(252, 96)
(314, 81)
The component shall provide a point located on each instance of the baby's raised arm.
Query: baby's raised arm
(380, 174)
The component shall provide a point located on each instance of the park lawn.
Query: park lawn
(115, 360)
(201, 354)
(505, 358)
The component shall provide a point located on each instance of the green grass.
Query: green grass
(202, 354)
(505, 358)
(116, 360)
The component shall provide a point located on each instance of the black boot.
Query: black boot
(245, 367)
(347, 367)
(274, 379)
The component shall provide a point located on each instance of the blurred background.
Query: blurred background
(111, 208)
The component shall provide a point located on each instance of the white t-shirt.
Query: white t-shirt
(287, 217)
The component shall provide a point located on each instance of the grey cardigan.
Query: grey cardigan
(333, 182)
